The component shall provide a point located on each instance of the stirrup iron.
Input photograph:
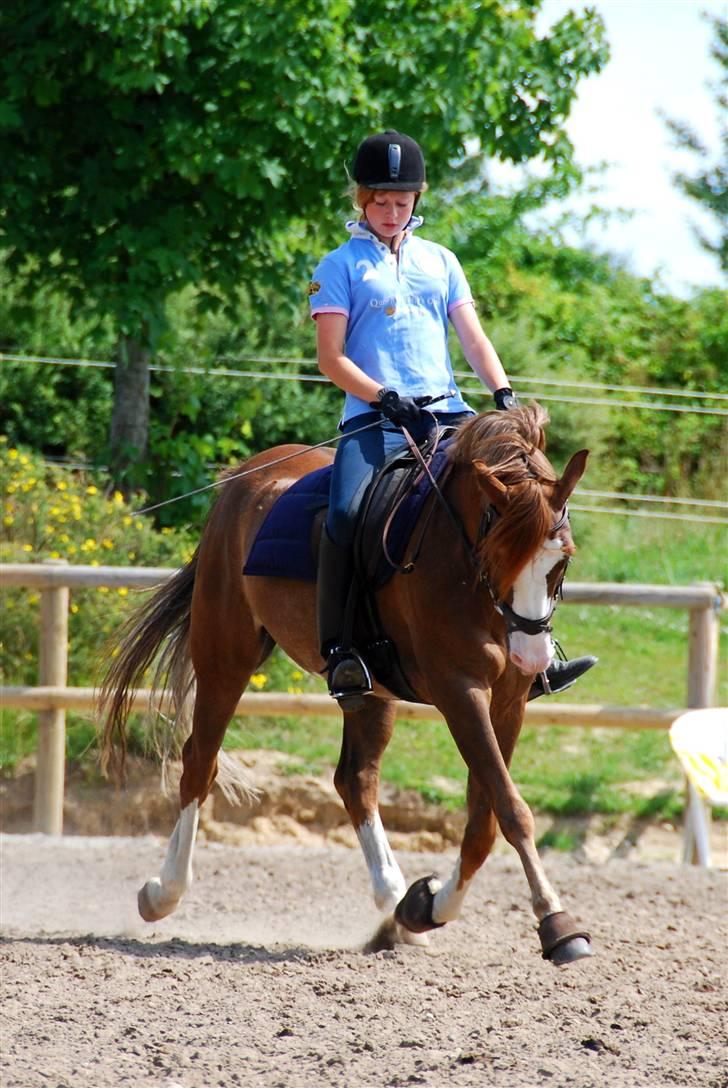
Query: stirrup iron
(349, 678)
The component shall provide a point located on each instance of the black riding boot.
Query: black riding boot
(560, 675)
(348, 676)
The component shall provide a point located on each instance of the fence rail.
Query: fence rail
(52, 697)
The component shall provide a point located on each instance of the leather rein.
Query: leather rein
(513, 620)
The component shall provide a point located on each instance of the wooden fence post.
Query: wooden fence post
(53, 671)
(703, 653)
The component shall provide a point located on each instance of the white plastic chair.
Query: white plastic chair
(700, 741)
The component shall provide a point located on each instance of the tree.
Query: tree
(709, 186)
(150, 144)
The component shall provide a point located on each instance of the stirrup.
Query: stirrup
(349, 678)
(560, 675)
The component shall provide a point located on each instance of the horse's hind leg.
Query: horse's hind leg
(220, 683)
(366, 734)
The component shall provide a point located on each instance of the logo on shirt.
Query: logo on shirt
(313, 288)
(371, 272)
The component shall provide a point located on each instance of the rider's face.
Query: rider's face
(389, 212)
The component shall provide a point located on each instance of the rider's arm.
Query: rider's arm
(477, 348)
(338, 368)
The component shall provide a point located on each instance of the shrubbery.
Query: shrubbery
(51, 513)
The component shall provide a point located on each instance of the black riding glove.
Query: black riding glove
(505, 399)
(402, 411)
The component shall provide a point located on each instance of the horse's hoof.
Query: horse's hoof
(416, 940)
(561, 939)
(151, 905)
(578, 948)
(414, 910)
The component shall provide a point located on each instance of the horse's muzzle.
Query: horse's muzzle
(531, 653)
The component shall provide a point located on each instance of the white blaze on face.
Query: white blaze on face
(531, 599)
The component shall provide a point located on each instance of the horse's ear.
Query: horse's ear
(572, 474)
(496, 491)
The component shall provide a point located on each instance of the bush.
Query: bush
(49, 513)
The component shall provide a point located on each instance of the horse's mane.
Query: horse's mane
(511, 444)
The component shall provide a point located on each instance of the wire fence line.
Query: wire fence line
(701, 504)
(228, 372)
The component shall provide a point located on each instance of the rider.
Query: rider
(382, 302)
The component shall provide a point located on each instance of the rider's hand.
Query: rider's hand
(402, 411)
(505, 399)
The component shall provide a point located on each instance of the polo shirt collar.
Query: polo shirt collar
(359, 229)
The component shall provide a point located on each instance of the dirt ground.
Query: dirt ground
(258, 978)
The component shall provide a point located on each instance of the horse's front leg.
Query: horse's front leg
(491, 792)
(366, 735)
(430, 903)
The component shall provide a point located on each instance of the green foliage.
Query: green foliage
(147, 146)
(51, 513)
(558, 313)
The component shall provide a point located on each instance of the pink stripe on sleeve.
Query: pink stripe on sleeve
(459, 303)
(328, 310)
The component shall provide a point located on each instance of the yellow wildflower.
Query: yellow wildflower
(258, 680)
(91, 490)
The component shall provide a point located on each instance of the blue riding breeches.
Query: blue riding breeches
(358, 459)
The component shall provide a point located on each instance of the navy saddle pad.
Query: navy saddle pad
(282, 548)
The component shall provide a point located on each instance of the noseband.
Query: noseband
(513, 620)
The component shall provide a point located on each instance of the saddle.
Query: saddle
(286, 545)
(392, 507)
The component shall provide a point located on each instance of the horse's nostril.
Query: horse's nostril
(519, 662)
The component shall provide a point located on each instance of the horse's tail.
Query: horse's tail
(162, 621)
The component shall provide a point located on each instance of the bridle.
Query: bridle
(513, 620)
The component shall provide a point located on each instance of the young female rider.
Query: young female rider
(381, 302)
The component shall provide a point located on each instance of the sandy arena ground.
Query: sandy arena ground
(258, 978)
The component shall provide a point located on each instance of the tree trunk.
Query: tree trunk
(130, 413)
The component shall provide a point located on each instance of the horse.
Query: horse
(471, 623)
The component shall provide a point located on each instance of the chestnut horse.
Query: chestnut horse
(471, 625)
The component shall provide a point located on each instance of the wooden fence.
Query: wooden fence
(54, 578)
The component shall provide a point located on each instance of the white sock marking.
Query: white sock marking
(449, 898)
(388, 884)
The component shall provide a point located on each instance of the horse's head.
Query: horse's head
(525, 541)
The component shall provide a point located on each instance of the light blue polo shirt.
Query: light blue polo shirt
(397, 312)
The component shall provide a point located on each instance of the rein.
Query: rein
(513, 620)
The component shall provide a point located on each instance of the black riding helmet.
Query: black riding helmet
(390, 160)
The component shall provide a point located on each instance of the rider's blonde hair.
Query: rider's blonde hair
(361, 195)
